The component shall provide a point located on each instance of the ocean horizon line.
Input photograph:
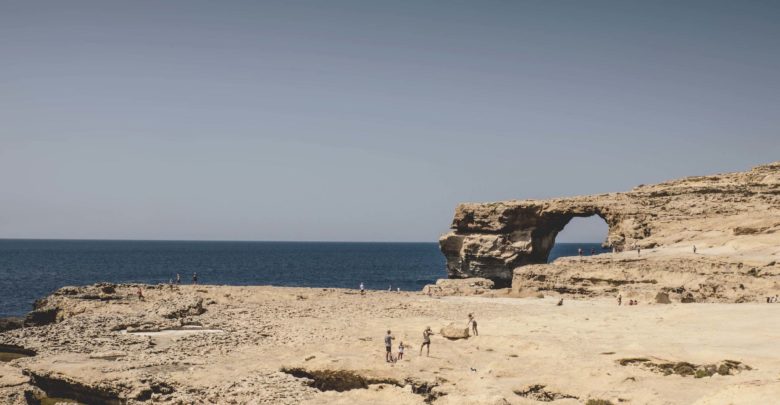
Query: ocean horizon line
(234, 240)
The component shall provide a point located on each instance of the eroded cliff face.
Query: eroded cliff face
(491, 239)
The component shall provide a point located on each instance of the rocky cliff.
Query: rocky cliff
(736, 212)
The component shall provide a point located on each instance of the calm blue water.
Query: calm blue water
(31, 269)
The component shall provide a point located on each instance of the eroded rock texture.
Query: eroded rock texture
(491, 239)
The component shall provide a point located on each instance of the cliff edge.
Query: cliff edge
(732, 216)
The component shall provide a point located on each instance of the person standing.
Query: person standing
(472, 324)
(579, 251)
(694, 249)
(389, 347)
(362, 289)
(426, 341)
(194, 278)
(400, 351)
(178, 278)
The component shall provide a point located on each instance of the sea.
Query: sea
(32, 269)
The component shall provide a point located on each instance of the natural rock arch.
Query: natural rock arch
(491, 239)
(546, 235)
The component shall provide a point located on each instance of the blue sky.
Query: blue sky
(310, 120)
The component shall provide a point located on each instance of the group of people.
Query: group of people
(178, 279)
(426, 341)
(630, 302)
(389, 288)
(390, 358)
(592, 251)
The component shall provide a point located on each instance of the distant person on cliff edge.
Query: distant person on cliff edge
(694, 249)
(194, 278)
(389, 347)
(592, 251)
(362, 289)
(141, 294)
(426, 341)
(579, 251)
(178, 278)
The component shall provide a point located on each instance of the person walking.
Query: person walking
(426, 341)
(389, 347)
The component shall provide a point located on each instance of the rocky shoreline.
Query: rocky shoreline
(244, 345)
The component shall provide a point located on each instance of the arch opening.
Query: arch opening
(581, 234)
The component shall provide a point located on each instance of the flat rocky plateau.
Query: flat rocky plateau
(218, 344)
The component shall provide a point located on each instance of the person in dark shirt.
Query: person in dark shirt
(389, 347)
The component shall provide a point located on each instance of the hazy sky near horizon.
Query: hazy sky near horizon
(363, 120)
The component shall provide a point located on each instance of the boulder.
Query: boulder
(465, 286)
(662, 298)
(41, 316)
(454, 332)
(687, 299)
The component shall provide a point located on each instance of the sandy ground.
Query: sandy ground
(572, 349)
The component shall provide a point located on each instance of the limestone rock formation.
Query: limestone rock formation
(740, 211)
(453, 332)
(466, 286)
(657, 276)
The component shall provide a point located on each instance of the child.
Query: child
(400, 351)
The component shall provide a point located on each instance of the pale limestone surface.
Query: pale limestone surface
(570, 349)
